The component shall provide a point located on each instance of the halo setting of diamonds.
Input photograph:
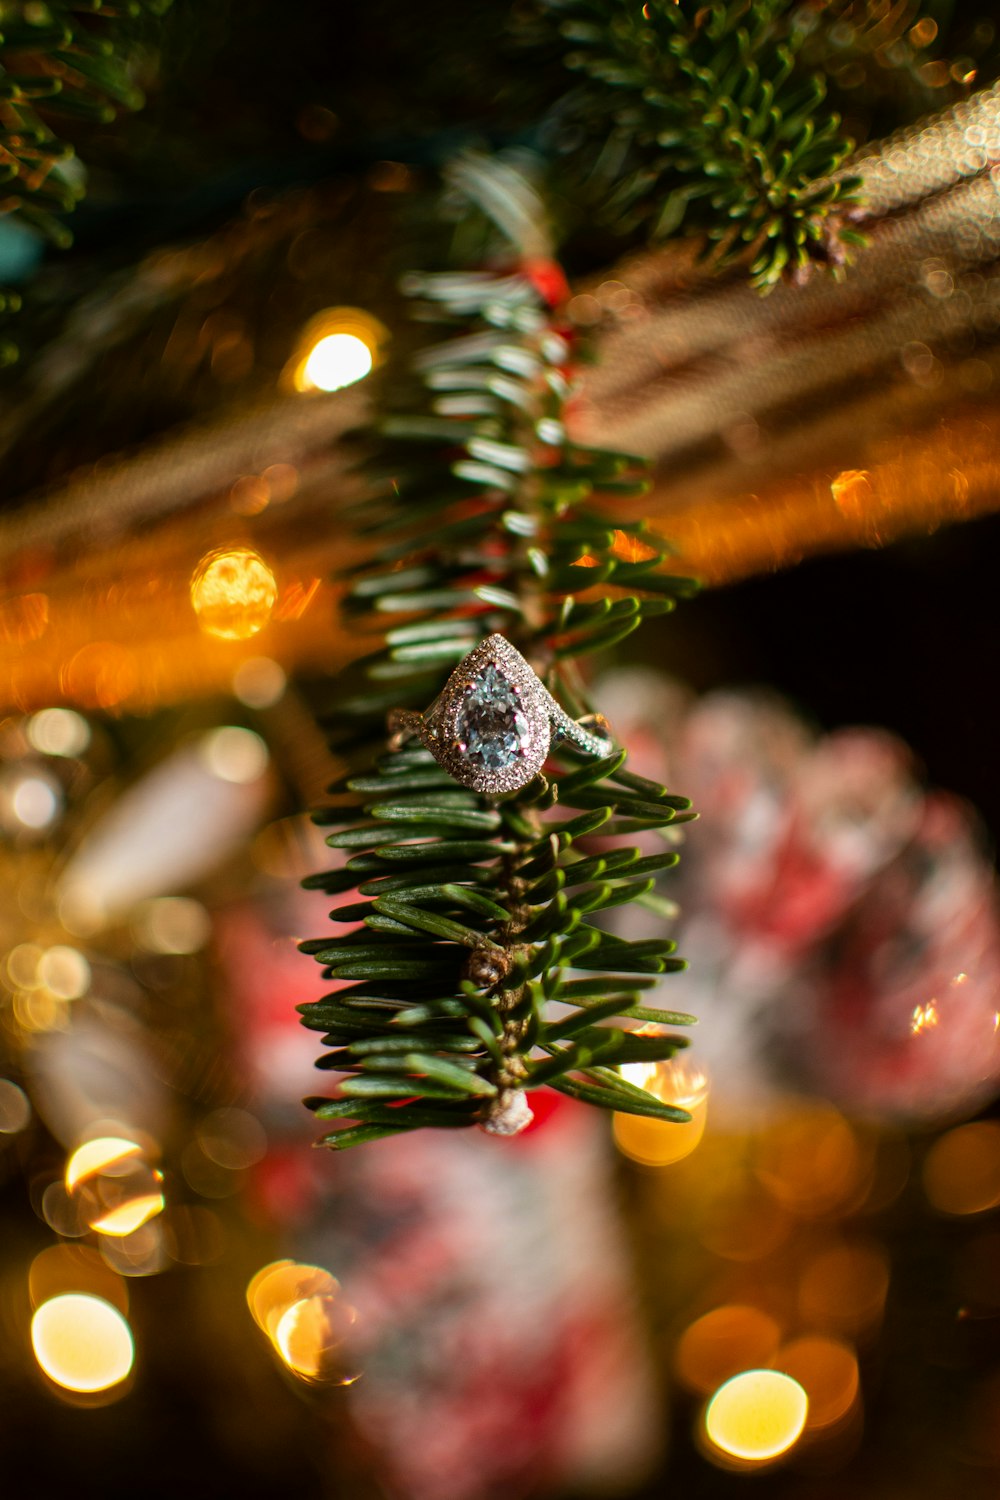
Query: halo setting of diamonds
(492, 725)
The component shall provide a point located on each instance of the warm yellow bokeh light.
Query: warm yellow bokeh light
(64, 971)
(75, 1268)
(811, 1161)
(233, 592)
(172, 924)
(274, 1289)
(844, 1287)
(757, 1415)
(337, 348)
(15, 1108)
(337, 360)
(100, 1155)
(962, 1169)
(660, 1143)
(308, 1337)
(723, 1342)
(82, 1342)
(301, 1310)
(827, 1370)
(128, 1216)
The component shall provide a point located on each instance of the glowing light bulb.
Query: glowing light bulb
(336, 360)
(233, 592)
(82, 1342)
(757, 1415)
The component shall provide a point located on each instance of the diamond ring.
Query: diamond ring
(492, 725)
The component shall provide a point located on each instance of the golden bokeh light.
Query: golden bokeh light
(99, 1155)
(172, 924)
(660, 1143)
(141, 1252)
(812, 1162)
(232, 1138)
(827, 1370)
(745, 1225)
(15, 1108)
(723, 1342)
(22, 966)
(757, 1415)
(64, 972)
(309, 1338)
(337, 348)
(113, 1187)
(962, 1169)
(303, 1313)
(131, 1213)
(843, 1289)
(75, 1268)
(336, 360)
(277, 1286)
(81, 1342)
(233, 592)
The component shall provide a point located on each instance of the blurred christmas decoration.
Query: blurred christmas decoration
(843, 922)
(457, 1387)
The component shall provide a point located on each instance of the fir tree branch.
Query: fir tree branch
(474, 912)
(708, 125)
(68, 59)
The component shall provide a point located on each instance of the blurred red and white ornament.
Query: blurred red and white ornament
(842, 922)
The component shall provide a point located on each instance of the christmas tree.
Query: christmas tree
(373, 383)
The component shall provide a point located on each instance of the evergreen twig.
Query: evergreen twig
(68, 59)
(708, 124)
(466, 916)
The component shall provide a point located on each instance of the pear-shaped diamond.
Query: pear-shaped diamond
(491, 725)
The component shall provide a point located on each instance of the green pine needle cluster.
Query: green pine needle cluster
(470, 955)
(707, 124)
(65, 60)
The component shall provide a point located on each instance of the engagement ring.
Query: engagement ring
(492, 725)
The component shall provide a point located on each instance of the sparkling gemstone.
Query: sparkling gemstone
(491, 723)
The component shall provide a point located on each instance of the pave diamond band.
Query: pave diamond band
(494, 722)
